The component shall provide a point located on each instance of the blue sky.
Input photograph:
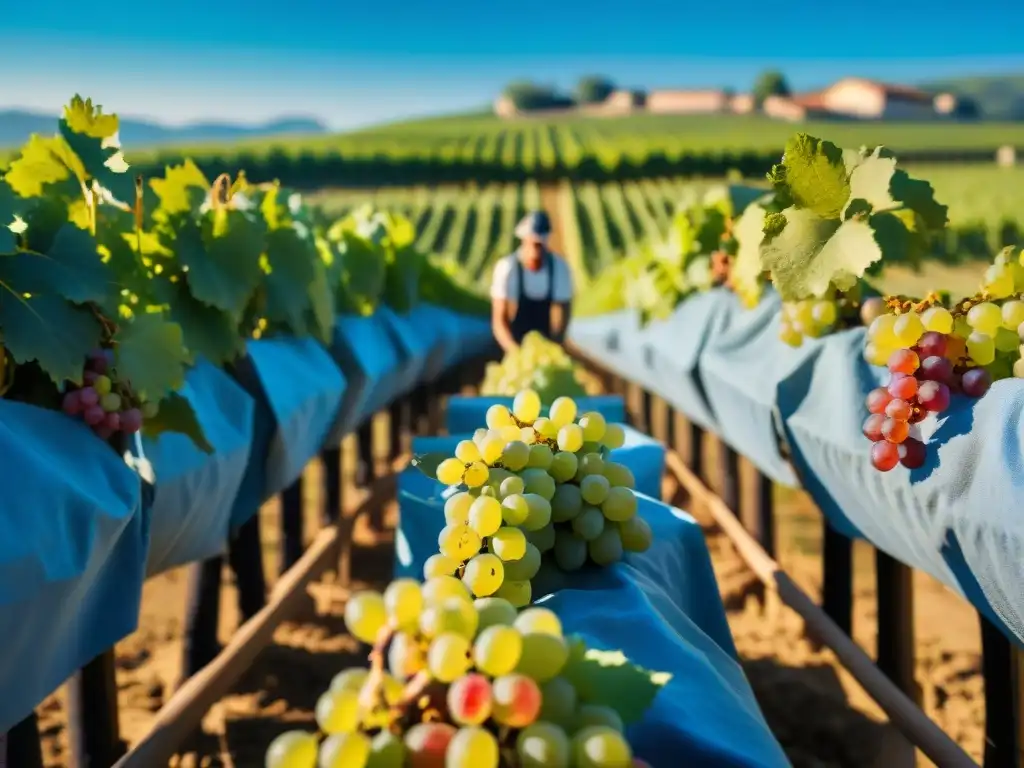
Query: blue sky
(356, 63)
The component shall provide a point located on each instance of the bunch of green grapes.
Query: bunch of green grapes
(538, 364)
(459, 683)
(531, 486)
(807, 318)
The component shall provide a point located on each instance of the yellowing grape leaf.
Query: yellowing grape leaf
(150, 353)
(813, 175)
(176, 415)
(41, 163)
(811, 252)
(608, 678)
(50, 330)
(182, 189)
(746, 270)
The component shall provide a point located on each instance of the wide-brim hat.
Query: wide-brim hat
(534, 226)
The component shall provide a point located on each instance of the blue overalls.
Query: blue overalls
(533, 314)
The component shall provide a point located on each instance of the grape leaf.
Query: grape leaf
(321, 304)
(11, 208)
(427, 463)
(150, 353)
(290, 273)
(810, 252)
(70, 268)
(222, 258)
(813, 175)
(176, 415)
(182, 189)
(50, 330)
(206, 330)
(42, 163)
(359, 272)
(91, 136)
(607, 678)
(746, 270)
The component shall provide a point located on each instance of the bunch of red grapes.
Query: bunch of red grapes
(101, 402)
(922, 381)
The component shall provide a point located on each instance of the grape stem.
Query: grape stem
(372, 693)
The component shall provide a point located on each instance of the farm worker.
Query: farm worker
(531, 289)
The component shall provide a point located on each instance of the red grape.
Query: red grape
(933, 396)
(517, 700)
(427, 744)
(113, 421)
(94, 415)
(912, 453)
(895, 431)
(903, 361)
(89, 377)
(877, 399)
(469, 699)
(131, 421)
(103, 432)
(975, 382)
(904, 387)
(884, 456)
(71, 404)
(936, 368)
(873, 427)
(932, 343)
(900, 410)
(88, 397)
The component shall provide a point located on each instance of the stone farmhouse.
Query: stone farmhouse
(852, 98)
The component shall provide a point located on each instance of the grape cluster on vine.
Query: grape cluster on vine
(534, 486)
(455, 683)
(103, 402)
(538, 364)
(932, 354)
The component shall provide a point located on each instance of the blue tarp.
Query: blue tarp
(298, 391)
(742, 370)
(958, 517)
(671, 351)
(416, 344)
(366, 354)
(474, 336)
(467, 414)
(438, 324)
(662, 610)
(71, 565)
(195, 491)
(611, 340)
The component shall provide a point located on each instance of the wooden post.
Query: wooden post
(92, 715)
(23, 747)
(659, 420)
(291, 525)
(729, 468)
(894, 590)
(837, 578)
(759, 514)
(365, 474)
(1000, 671)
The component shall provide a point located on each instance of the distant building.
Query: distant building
(673, 102)
(503, 107)
(870, 100)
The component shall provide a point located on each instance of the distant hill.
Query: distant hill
(17, 125)
(999, 97)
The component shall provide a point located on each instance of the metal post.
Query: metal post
(331, 511)
(202, 616)
(729, 476)
(1001, 716)
(364, 465)
(837, 578)
(23, 747)
(245, 556)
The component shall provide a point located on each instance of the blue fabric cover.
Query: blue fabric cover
(662, 610)
(415, 347)
(390, 383)
(970, 487)
(433, 322)
(742, 371)
(467, 414)
(612, 340)
(475, 336)
(73, 541)
(297, 389)
(364, 351)
(671, 351)
(195, 491)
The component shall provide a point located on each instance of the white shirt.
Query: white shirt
(505, 280)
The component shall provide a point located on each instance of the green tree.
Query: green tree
(770, 83)
(527, 95)
(593, 89)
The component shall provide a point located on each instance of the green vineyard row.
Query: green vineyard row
(487, 150)
(599, 223)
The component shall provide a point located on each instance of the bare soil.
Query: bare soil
(819, 714)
